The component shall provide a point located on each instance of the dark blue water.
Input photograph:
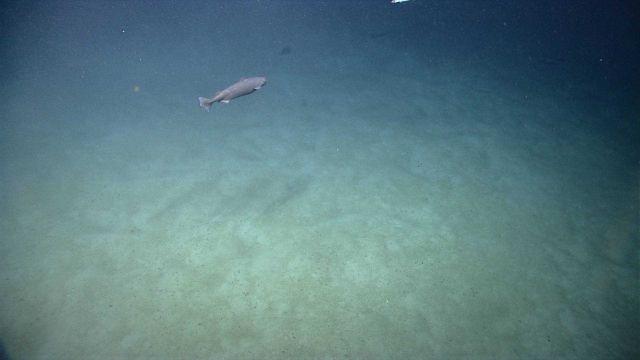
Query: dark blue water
(427, 179)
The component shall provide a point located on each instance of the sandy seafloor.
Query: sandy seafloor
(371, 202)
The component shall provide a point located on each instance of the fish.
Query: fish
(240, 88)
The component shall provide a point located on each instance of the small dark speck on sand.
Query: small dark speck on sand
(285, 50)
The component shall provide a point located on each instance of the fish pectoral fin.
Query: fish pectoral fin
(257, 88)
(225, 101)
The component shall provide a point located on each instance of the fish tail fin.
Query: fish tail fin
(205, 103)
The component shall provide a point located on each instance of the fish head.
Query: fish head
(262, 81)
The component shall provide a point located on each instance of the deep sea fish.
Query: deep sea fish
(241, 88)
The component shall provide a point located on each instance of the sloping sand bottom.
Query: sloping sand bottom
(466, 220)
